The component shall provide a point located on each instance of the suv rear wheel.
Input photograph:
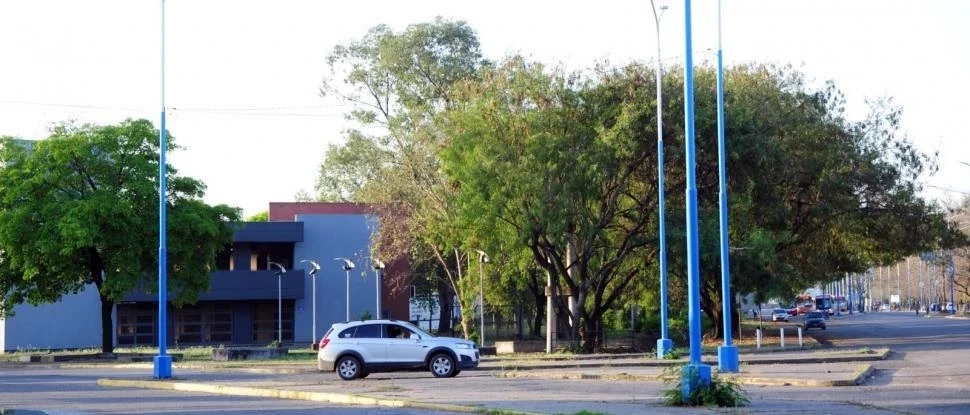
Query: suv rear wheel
(348, 367)
(442, 366)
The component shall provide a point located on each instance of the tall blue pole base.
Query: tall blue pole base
(664, 347)
(727, 359)
(163, 367)
(694, 377)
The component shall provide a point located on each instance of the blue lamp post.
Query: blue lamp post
(279, 301)
(163, 362)
(378, 267)
(727, 355)
(314, 269)
(347, 266)
(482, 259)
(695, 375)
(664, 344)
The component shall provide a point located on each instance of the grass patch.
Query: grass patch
(722, 392)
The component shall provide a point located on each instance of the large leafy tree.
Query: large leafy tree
(562, 160)
(813, 194)
(565, 161)
(395, 82)
(81, 208)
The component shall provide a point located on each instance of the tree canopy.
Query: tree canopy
(556, 171)
(81, 208)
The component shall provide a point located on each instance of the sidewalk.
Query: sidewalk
(532, 384)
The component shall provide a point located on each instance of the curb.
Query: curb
(858, 377)
(337, 398)
(511, 365)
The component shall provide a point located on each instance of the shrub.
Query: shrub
(721, 392)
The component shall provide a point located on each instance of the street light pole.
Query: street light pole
(482, 259)
(315, 267)
(378, 266)
(950, 270)
(348, 265)
(696, 375)
(279, 301)
(727, 354)
(664, 344)
(162, 362)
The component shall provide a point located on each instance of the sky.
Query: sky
(242, 77)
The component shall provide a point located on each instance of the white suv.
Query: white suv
(358, 348)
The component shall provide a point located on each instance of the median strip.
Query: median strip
(337, 398)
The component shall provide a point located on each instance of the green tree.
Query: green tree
(395, 83)
(560, 159)
(81, 208)
(259, 217)
(565, 161)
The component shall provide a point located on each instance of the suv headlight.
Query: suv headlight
(463, 346)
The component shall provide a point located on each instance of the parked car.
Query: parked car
(815, 319)
(358, 348)
(949, 308)
(884, 307)
(779, 314)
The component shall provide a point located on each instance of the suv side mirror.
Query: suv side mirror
(415, 336)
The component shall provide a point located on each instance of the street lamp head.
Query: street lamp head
(378, 264)
(314, 266)
(348, 264)
(282, 269)
(482, 256)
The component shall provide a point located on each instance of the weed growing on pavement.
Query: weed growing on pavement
(722, 392)
(674, 354)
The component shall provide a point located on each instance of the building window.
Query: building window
(136, 324)
(265, 322)
(203, 323)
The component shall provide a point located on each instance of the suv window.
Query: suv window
(394, 331)
(368, 331)
(347, 333)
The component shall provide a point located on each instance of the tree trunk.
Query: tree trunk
(96, 275)
(107, 326)
(539, 315)
(444, 308)
(589, 335)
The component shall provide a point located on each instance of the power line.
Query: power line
(281, 111)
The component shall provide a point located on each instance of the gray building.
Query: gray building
(242, 305)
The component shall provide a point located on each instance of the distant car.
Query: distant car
(779, 314)
(949, 308)
(815, 319)
(884, 307)
(358, 348)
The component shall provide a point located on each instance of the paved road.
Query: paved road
(56, 391)
(929, 374)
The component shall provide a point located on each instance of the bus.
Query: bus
(804, 304)
(825, 303)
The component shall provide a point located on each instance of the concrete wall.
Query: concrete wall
(74, 322)
(325, 237)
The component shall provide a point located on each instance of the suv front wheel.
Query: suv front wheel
(348, 367)
(443, 366)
